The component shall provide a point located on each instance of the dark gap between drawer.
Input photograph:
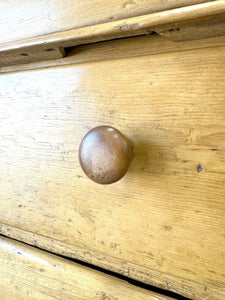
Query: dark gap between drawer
(134, 282)
(69, 51)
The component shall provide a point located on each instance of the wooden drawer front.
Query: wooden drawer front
(163, 223)
(29, 273)
(27, 19)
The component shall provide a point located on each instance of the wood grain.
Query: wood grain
(29, 273)
(163, 223)
(200, 29)
(121, 48)
(31, 55)
(141, 25)
(29, 18)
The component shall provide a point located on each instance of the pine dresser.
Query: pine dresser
(112, 149)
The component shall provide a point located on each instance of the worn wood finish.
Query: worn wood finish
(163, 223)
(105, 154)
(200, 29)
(30, 18)
(31, 55)
(121, 48)
(29, 273)
(135, 26)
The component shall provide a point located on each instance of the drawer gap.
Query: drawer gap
(133, 282)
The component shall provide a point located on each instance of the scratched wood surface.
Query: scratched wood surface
(196, 29)
(163, 223)
(52, 46)
(30, 273)
(23, 56)
(29, 18)
(120, 48)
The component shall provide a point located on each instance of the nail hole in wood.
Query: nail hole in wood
(200, 168)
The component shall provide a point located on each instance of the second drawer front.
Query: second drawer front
(166, 213)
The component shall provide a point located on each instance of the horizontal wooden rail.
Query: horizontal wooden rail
(135, 26)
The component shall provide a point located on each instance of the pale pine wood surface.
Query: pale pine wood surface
(30, 273)
(24, 56)
(29, 18)
(163, 223)
(121, 48)
(196, 29)
(134, 26)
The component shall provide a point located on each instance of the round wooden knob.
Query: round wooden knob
(105, 154)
